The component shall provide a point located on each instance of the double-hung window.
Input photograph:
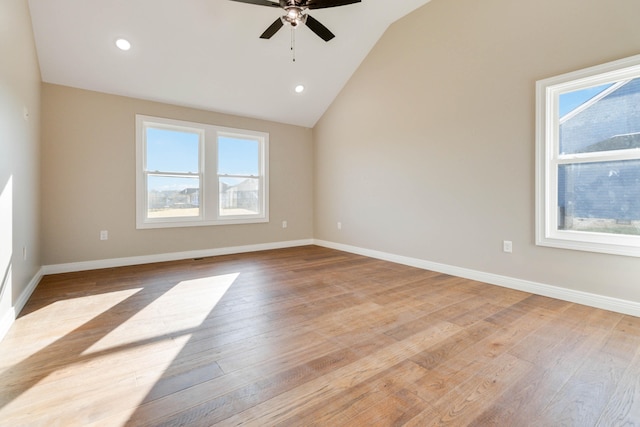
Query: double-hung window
(238, 176)
(190, 174)
(588, 159)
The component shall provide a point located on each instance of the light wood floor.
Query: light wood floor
(311, 336)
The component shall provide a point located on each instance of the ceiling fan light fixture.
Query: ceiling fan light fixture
(294, 16)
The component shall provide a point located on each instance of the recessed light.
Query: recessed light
(123, 44)
(299, 89)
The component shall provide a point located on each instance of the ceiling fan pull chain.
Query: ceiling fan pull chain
(293, 43)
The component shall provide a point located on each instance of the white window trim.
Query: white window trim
(208, 152)
(548, 158)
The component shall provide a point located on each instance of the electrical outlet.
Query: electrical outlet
(104, 235)
(507, 246)
(339, 226)
(284, 224)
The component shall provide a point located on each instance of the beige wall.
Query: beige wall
(428, 152)
(19, 155)
(88, 148)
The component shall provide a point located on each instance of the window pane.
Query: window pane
(592, 123)
(170, 196)
(600, 197)
(172, 151)
(238, 156)
(239, 196)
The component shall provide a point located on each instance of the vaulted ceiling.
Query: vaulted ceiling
(207, 53)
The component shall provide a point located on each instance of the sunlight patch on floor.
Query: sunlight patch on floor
(186, 305)
(85, 391)
(122, 367)
(62, 318)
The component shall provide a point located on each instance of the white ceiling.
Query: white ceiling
(207, 53)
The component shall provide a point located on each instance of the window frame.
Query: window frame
(209, 212)
(549, 158)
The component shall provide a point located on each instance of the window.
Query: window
(192, 174)
(588, 159)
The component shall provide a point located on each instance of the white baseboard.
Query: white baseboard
(10, 317)
(579, 297)
(175, 256)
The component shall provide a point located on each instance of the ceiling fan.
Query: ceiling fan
(296, 13)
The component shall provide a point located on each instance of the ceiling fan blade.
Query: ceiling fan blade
(322, 31)
(321, 4)
(260, 2)
(273, 28)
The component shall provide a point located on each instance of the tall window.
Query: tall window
(588, 159)
(196, 174)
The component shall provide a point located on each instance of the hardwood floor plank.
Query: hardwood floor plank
(623, 408)
(205, 397)
(579, 337)
(313, 392)
(344, 408)
(463, 404)
(528, 397)
(584, 397)
(392, 409)
(453, 345)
